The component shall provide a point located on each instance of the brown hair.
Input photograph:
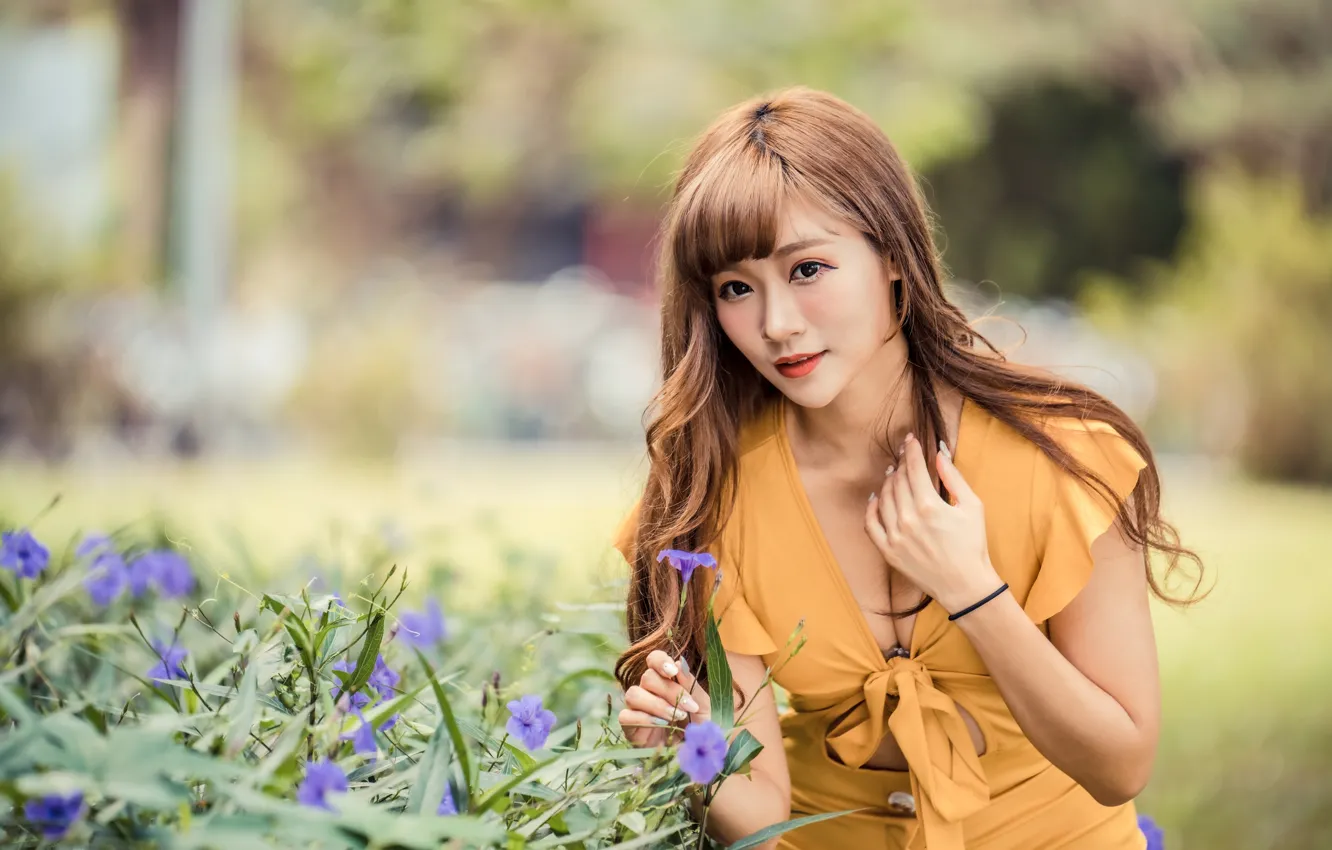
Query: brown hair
(811, 145)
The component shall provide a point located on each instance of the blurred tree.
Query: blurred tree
(149, 36)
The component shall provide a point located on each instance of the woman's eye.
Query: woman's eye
(808, 270)
(729, 291)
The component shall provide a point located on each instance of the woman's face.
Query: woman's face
(823, 291)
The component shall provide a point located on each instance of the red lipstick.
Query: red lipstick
(799, 365)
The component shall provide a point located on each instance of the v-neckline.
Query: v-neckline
(821, 539)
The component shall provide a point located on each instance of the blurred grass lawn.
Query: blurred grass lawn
(1246, 749)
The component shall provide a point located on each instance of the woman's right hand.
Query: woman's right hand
(667, 695)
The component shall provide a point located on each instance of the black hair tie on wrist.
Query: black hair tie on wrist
(971, 608)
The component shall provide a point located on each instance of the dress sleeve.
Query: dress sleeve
(740, 629)
(1077, 513)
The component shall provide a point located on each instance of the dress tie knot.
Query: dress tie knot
(946, 776)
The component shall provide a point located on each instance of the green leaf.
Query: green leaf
(719, 678)
(771, 832)
(653, 839)
(365, 663)
(459, 744)
(740, 753)
(585, 673)
(433, 776)
(635, 822)
(243, 710)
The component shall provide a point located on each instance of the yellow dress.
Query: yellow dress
(777, 569)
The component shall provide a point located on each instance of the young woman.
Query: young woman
(963, 539)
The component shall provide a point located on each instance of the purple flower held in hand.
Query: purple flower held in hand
(703, 752)
(358, 700)
(530, 723)
(322, 778)
(169, 661)
(423, 629)
(686, 562)
(384, 679)
(54, 814)
(1155, 835)
(446, 804)
(20, 552)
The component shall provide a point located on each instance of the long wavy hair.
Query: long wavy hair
(800, 143)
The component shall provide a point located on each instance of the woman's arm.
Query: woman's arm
(1089, 697)
(742, 805)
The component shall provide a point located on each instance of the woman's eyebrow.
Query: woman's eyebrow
(788, 248)
(792, 247)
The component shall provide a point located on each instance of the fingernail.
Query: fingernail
(657, 721)
(889, 470)
(669, 669)
(873, 496)
(684, 664)
(689, 704)
(681, 715)
(943, 449)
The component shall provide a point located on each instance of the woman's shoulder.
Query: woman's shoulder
(1092, 441)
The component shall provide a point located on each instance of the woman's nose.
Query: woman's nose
(781, 316)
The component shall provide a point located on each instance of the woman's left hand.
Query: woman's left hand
(941, 548)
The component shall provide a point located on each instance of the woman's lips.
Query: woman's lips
(801, 368)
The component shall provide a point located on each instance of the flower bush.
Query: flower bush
(148, 698)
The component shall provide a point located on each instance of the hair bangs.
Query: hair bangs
(729, 211)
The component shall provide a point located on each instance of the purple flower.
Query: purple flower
(703, 752)
(686, 562)
(384, 679)
(1155, 835)
(107, 575)
(20, 552)
(530, 723)
(164, 569)
(360, 699)
(446, 804)
(169, 661)
(54, 814)
(93, 544)
(141, 573)
(321, 778)
(425, 628)
(363, 736)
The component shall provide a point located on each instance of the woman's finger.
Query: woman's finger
(691, 685)
(642, 729)
(668, 689)
(918, 474)
(952, 477)
(904, 500)
(639, 698)
(874, 526)
(661, 662)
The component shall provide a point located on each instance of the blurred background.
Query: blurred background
(285, 269)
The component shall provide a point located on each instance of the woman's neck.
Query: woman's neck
(843, 435)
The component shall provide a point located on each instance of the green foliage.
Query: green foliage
(1238, 326)
(217, 758)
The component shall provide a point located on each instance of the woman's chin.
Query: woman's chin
(811, 394)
